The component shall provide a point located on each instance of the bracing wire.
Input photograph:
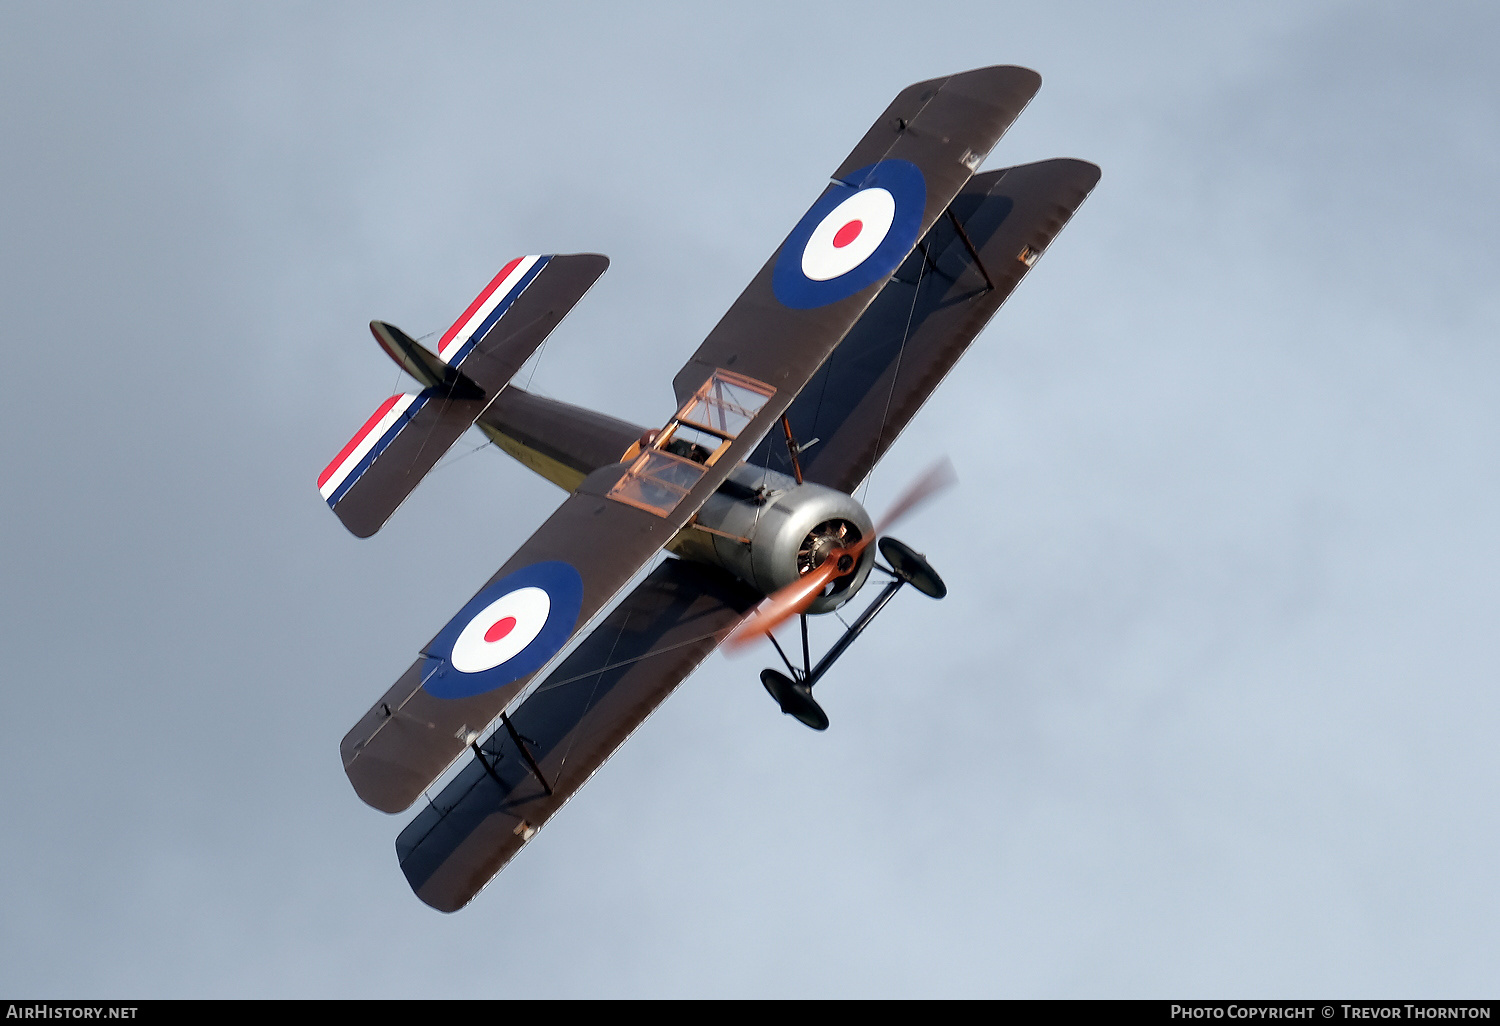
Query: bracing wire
(537, 362)
(895, 376)
(449, 459)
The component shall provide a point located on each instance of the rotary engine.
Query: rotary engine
(768, 530)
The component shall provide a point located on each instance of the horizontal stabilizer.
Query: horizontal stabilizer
(475, 359)
(514, 314)
(395, 449)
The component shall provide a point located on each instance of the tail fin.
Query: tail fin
(476, 358)
(412, 357)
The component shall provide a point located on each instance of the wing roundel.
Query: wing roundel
(856, 234)
(507, 631)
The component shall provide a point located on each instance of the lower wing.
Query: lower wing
(925, 317)
(567, 728)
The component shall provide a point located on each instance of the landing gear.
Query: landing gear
(794, 693)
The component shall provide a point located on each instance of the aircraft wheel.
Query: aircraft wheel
(794, 699)
(912, 567)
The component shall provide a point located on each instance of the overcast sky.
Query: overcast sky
(1210, 709)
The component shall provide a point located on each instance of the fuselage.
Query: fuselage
(761, 525)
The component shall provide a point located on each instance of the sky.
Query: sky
(1209, 710)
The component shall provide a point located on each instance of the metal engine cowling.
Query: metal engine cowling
(767, 530)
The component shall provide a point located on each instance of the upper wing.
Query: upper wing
(819, 282)
(890, 190)
(925, 318)
(569, 726)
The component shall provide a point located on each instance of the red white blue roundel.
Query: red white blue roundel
(857, 233)
(506, 632)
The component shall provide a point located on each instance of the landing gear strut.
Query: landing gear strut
(794, 693)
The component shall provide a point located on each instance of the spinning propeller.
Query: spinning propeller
(787, 602)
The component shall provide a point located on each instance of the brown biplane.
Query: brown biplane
(780, 414)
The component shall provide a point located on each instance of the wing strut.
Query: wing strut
(973, 253)
(510, 728)
(479, 754)
(792, 448)
(515, 736)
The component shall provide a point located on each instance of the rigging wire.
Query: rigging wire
(449, 459)
(598, 679)
(895, 376)
(551, 684)
(538, 361)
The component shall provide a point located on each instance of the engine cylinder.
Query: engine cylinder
(767, 530)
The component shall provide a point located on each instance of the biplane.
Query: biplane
(732, 516)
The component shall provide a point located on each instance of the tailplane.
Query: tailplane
(475, 360)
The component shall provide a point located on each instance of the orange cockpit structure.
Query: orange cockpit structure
(672, 460)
